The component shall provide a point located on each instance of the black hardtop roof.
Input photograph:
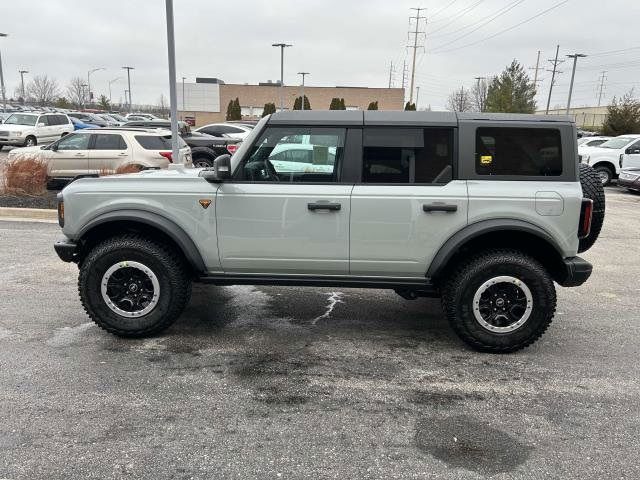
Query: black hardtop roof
(398, 117)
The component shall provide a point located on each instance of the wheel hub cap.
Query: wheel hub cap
(130, 289)
(502, 304)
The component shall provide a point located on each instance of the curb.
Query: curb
(10, 213)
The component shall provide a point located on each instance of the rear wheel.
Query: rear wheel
(499, 301)
(132, 286)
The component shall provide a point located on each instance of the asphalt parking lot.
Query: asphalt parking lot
(273, 383)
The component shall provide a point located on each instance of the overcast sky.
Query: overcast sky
(346, 42)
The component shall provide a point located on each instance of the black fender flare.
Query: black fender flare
(474, 230)
(168, 227)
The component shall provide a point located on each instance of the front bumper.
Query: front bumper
(17, 141)
(576, 271)
(67, 250)
(628, 181)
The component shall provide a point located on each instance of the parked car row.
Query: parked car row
(612, 157)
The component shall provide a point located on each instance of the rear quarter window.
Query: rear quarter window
(518, 152)
(155, 142)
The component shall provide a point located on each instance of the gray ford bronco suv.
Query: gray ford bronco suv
(485, 211)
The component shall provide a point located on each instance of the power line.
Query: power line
(435, 14)
(559, 4)
(456, 16)
(415, 34)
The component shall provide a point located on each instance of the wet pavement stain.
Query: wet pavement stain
(441, 399)
(463, 442)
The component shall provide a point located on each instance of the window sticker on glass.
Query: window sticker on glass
(486, 159)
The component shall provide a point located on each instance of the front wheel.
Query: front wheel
(604, 174)
(499, 301)
(30, 142)
(132, 286)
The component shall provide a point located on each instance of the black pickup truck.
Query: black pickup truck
(204, 148)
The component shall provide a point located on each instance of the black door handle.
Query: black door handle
(439, 207)
(324, 206)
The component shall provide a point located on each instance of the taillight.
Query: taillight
(61, 212)
(167, 155)
(586, 212)
(231, 148)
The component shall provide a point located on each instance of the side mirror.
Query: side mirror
(54, 147)
(222, 167)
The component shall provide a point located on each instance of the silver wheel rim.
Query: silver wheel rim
(502, 304)
(130, 289)
(604, 177)
(30, 142)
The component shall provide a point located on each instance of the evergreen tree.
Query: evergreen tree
(410, 106)
(335, 104)
(269, 108)
(512, 91)
(236, 110)
(373, 106)
(230, 110)
(623, 116)
(297, 104)
(342, 105)
(62, 102)
(103, 103)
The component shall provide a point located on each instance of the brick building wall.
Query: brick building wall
(253, 97)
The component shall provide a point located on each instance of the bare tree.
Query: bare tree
(42, 89)
(75, 91)
(479, 94)
(460, 101)
(162, 105)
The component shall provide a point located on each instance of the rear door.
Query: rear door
(407, 203)
(44, 129)
(631, 157)
(287, 219)
(107, 152)
(71, 158)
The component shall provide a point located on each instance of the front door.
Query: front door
(71, 156)
(407, 204)
(285, 212)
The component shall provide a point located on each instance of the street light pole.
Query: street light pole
(304, 74)
(22, 72)
(84, 95)
(173, 97)
(89, 80)
(128, 69)
(282, 47)
(183, 79)
(4, 97)
(575, 57)
(110, 82)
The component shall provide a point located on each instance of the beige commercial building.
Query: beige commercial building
(585, 117)
(206, 100)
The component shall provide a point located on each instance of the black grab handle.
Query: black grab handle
(439, 207)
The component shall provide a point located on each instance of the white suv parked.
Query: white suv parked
(104, 150)
(605, 158)
(30, 129)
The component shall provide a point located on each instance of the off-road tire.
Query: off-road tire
(167, 265)
(593, 189)
(460, 287)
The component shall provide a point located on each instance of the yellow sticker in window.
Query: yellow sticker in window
(486, 159)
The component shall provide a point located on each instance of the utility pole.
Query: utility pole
(415, 34)
(84, 95)
(22, 72)
(126, 97)
(110, 82)
(282, 47)
(4, 97)
(404, 74)
(601, 87)
(304, 74)
(536, 68)
(417, 95)
(555, 71)
(390, 73)
(575, 57)
(128, 69)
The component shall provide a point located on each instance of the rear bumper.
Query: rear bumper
(633, 184)
(576, 271)
(66, 250)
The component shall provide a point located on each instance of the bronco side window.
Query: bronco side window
(518, 151)
(295, 154)
(407, 155)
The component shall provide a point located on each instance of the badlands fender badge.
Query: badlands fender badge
(204, 203)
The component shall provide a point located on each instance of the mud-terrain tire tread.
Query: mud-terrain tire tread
(592, 188)
(177, 276)
(203, 152)
(457, 283)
